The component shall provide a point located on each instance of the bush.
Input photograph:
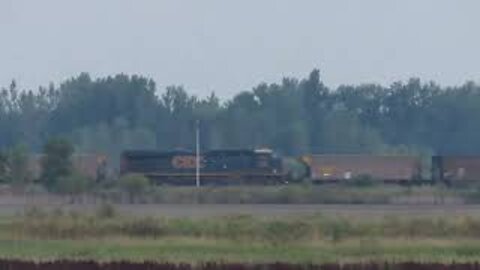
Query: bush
(134, 185)
(35, 212)
(106, 210)
(72, 185)
(144, 227)
(363, 180)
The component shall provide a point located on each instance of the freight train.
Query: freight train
(262, 166)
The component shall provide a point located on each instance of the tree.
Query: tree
(293, 117)
(18, 165)
(57, 161)
(341, 132)
(72, 185)
(4, 168)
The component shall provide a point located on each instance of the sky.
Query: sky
(229, 46)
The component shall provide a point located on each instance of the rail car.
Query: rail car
(379, 168)
(454, 169)
(393, 169)
(219, 167)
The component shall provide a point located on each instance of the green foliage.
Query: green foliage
(39, 234)
(294, 116)
(144, 227)
(241, 229)
(134, 185)
(4, 167)
(35, 212)
(295, 169)
(73, 184)
(363, 180)
(56, 163)
(18, 165)
(14, 166)
(106, 210)
(287, 194)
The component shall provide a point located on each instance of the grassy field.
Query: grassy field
(106, 235)
(302, 194)
(194, 250)
(294, 194)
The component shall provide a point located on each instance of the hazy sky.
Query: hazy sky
(228, 46)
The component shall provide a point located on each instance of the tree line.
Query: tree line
(294, 116)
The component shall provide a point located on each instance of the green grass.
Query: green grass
(238, 228)
(291, 194)
(201, 250)
(58, 235)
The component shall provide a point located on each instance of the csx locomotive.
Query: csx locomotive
(218, 167)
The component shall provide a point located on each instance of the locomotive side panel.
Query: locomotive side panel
(216, 167)
(153, 162)
(228, 161)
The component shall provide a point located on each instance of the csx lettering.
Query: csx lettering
(185, 162)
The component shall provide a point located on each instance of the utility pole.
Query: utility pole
(197, 159)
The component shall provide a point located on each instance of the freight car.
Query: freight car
(220, 167)
(385, 168)
(454, 169)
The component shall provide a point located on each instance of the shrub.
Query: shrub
(144, 227)
(134, 185)
(35, 212)
(363, 180)
(72, 185)
(106, 210)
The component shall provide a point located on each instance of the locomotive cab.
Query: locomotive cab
(223, 166)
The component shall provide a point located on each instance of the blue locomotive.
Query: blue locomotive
(218, 167)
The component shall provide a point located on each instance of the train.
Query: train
(263, 166)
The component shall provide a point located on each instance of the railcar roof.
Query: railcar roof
(148, 153)
(230, 151)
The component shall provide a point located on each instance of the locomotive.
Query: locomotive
(219, 167)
